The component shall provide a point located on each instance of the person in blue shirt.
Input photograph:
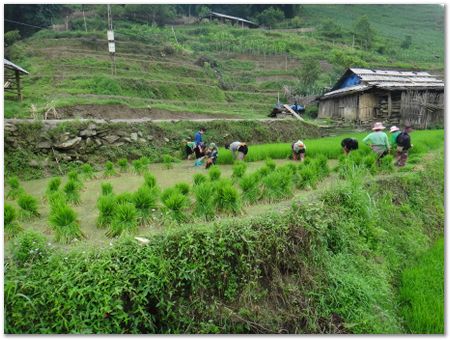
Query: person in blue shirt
(198, 136)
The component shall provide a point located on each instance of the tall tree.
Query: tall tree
(364, 32)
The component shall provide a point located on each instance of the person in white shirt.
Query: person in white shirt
(238, 150)
(298, 150)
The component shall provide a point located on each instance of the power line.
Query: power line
(22, 23)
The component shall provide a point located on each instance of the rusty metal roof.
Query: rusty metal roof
(13, 66)
(225, 16)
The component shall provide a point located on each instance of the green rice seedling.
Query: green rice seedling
(15, 189)
(307, 177)
(107, 188)
(124, 220)
(199, 179)
(145, 161)
(321, 165)
(387, 163)
(124, 197)
(263, 171)
(183, 188)
(370, 162)
(270, 163)
(307, 161)
(168, 161)
(109, 169)
(106, 206)
(63, 221)
(176, 204)
(214, 173)
(239, 169)
(204, 203)
(226, 198)
(251, 191)
(29, 246)
(145, 201)
(71, 189)
(74, 177)
(277, 185)
(87, 171)
(53, 186)
(292, 167)
(149, 180)
(12, 227)
(138, 167)
(56, 199)
(123, 164)
(167, 192)
(28, 205)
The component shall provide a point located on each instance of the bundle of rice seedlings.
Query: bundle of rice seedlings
(239, 169)
(226, 198)
(204, 203)
(106, 206)
(52, 186)
(12, 227)
(277, 185)
(145, 200)
(149, 180)
(109, 169)
(169, 191)
(199, 178)
(15, 189)
(74, 177)
(28, 205)
(183, 188)
(321, 164)
(176, 204)
(387, 163)
(307, 178)
(251, 191)
(270, 163)
(63, 221)
(124, 220)
(107, 188)
(145, 161)
(87, 171)
(71, 189)
(123, 164)
(370, 162)
(214, 173)
(168, 161)
(291, 167)
(263, 171)
(138, 167)
(56, 199)
(124, 197)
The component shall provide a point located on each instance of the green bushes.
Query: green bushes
(63, 221)
(28, 247)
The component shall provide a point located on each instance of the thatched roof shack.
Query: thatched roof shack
(235, 20)
(394, 97)
(11, 80)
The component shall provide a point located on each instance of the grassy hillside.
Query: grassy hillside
(214, 69)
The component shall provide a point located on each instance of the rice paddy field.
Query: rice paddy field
(145, 208)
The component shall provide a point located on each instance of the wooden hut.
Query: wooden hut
(363, 96)
(228, 18)
(12, 74)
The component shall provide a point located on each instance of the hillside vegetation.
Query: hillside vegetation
(210, 68)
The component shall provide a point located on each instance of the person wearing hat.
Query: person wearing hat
(211, 153)
(238, 150)
(190, 147)
(395, 131)
(378, 141)
(403, 142)
(298, 150)
(349, 144)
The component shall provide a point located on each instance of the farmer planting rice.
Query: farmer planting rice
(394, 131)
(190, 147)
(378, 141)
(403, 141)
(349, 144)
(238, 149)
(298, 150)
(211, 153)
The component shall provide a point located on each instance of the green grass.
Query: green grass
(422, 292)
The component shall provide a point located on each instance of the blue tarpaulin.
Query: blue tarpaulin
(351, 80)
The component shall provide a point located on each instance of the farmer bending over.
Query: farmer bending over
(190, 147)
(395, 131)
(212, 153)
(349, 144)
(298, 150)
(238, 150)
(403, 145)
(378, 141)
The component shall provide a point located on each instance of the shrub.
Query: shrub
(107, 188)
(138, 167)
(176, 204)
(145, 199)
(204, 204)
(87, 171)
(106, 205)
(183, 188)
(251, 192)
(123, 164)
(12, 227)
(53, 186)
(226, 198)
(214, 173)
(71, 191)
(28, 247)
(124, 220)
(168, 160)
(63, 221)
(199, 179)
(28, 205)
(277, 185)
(150, 180)
(15, 189)
(109, 169)
(239, 169)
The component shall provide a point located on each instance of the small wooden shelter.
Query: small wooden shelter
(228, 18)
(364, 96)
(12, 74)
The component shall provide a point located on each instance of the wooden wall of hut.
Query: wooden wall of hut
(328, 108)
(345, 107)
(368, 102)
(422, 109)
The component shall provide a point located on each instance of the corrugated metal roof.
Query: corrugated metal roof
(13, 66)
(233, 18)
(347, 90)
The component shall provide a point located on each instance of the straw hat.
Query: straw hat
(378, 126)
(394, 128)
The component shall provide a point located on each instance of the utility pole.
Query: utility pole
(111, 43)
